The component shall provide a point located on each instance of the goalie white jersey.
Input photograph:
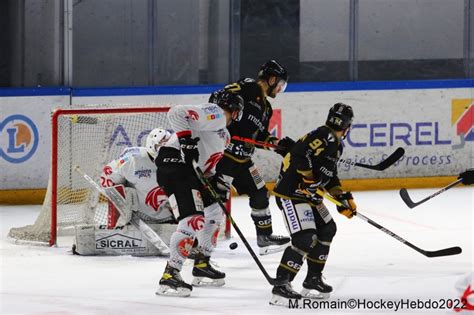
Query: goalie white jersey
(134, 168)
(206, 121)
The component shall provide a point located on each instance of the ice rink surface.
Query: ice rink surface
(364, 263)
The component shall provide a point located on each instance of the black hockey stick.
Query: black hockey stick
(389, 161)
(411, 204)
(217, 198)
(436, 253)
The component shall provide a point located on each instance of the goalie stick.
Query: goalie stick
(389, 161)
(119, 202)
(217, 198)
(435, 253)
(411, 204)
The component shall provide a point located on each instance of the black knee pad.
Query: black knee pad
(304, 240)
(327, 231)
(259, 199)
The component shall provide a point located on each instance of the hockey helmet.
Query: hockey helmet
(340, 117)
(230, 102)
(273, 68)
(155, 139)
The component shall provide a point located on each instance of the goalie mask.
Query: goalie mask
(156, 138)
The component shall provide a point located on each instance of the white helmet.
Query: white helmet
(155, 139)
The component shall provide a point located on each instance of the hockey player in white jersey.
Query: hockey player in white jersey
(136, 171)
(133, 174)
(200, 135)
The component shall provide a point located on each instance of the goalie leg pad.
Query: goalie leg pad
(127, 240)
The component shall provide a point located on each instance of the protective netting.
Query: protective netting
(90, 138)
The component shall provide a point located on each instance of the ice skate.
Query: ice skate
(269, 244)
(171, 284)
(205, 275)
(282, 294)
(315, 288)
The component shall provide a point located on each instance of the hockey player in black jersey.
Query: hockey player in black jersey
(309, 166)
(237, 166)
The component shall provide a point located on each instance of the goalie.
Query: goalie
(133, 174)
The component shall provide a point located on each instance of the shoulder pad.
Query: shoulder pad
(132, 151)
(211, 109)
(247, 81)
(323, 133)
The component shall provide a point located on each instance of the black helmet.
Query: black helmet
(272, 68)
(230, 102)
(340, 117)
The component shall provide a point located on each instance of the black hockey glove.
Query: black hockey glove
(308, 191)
(189, 146)
(467, 177)
(348, 207)
(221, 187)
(286, 145)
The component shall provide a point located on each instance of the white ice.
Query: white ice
(363, 263)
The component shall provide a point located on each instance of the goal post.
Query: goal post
(90, 137)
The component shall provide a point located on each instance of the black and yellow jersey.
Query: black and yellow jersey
(255, 118)
(313, 159)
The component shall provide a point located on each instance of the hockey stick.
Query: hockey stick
(217, 198)
(411, 204)
(436, 253)
(390, 160)
(119, 202)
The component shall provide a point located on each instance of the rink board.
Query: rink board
(432, 121)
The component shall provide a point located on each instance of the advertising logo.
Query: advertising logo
(118, 241)
(274, 126)
(18, 138)
(462, 117)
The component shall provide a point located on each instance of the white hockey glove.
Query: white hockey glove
(131, 198)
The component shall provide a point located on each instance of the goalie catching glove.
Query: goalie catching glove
(348, 207)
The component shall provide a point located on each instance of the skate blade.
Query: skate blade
(279, 301)
(165, 290)
(207, 282)
(268, 250)
(314, 294)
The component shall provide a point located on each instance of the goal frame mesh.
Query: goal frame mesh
(53, 183)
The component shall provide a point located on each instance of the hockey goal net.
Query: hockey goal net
(90, 138)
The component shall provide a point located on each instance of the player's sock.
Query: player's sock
(290, 264)
(262, 219)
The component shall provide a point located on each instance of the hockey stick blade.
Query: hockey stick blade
(406, 198)
(444, 252)
(389, 161)
(411, 204)
(438, 253)
(216, 197)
